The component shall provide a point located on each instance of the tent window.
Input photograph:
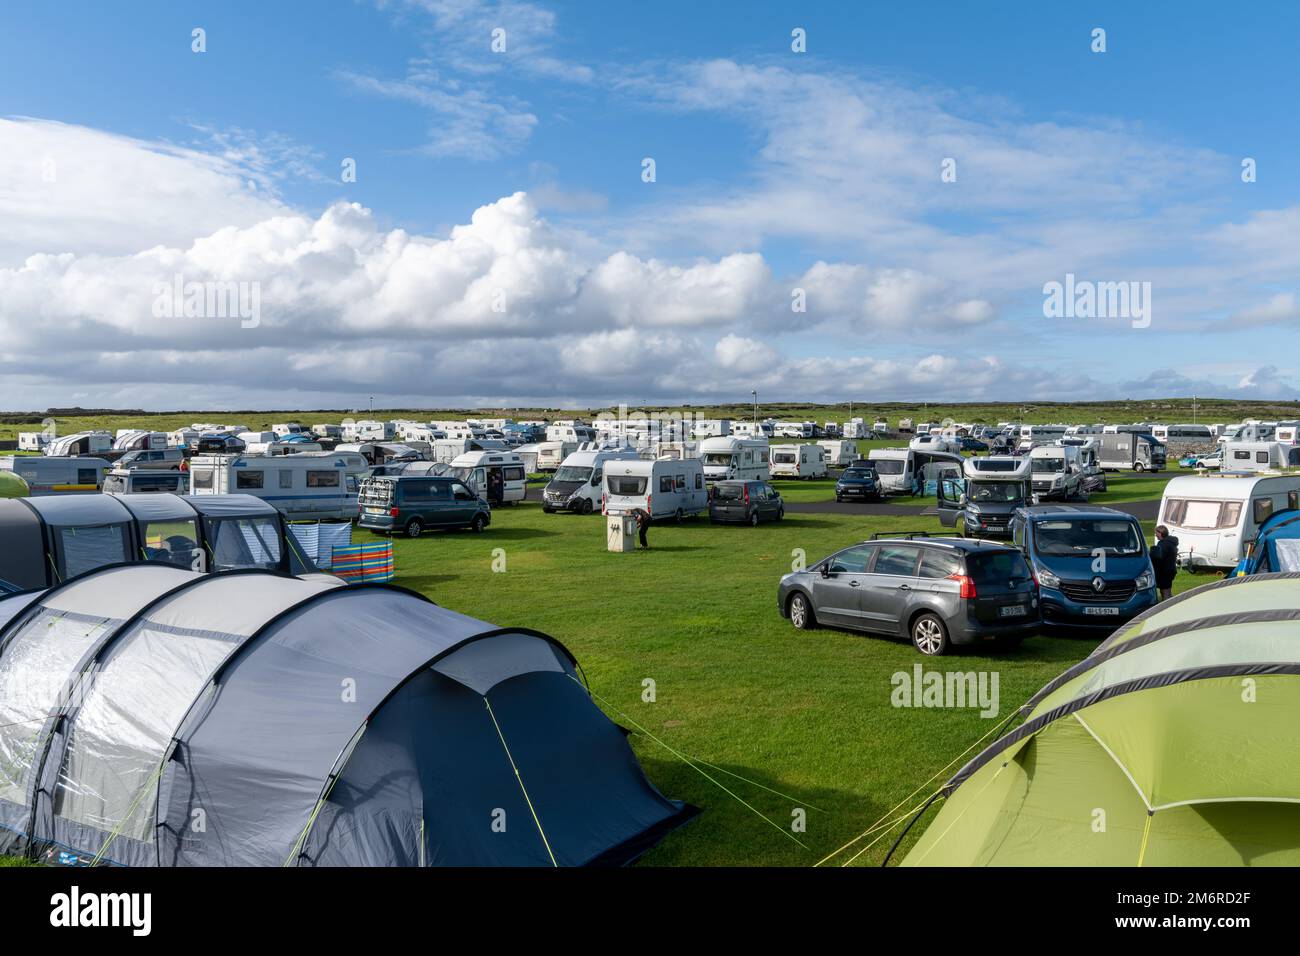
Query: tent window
(171, 542)
(245, 543)
(84, 549)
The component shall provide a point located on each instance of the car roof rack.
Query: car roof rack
(904, 535)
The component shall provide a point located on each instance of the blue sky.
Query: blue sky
(775, 171)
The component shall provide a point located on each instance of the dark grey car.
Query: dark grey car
(745, 501)
(936, 591)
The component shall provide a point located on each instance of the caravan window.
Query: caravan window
(202, 480)
(680, 483)
(249, 479)
(666, 484)
(888, 466)
(1202, 515)
(513, 473)
(627, 485)
(286, 478)
(783, 457)
(699, 481)
(1263, 507)
(322, 479)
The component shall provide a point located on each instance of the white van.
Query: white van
(840, 453)
(255, 442)
(579, 481)
(476, 469)
(1215, 517)
(82, 443)
(797, 461)
(51, 475)
(663, 488)
(303, 487)
(1057, 472)
(1260, 456)
(733, 458)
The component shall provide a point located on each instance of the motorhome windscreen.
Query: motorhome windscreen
(244, 543)
(1083, 536)
(992, 491)
(889, 466)
(627, 485)
(1041, 465)
(1195, 515)
(996, 567)
(718, 458)
(573, 473)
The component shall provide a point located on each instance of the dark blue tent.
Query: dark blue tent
(154, 716)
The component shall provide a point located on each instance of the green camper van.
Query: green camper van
(392, 503)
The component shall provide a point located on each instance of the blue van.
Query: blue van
(1092, 564)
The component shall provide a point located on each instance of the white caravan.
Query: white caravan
(575, 432)
(551, 454)
(763, 429)
(1215, 517)
(663, 488)
(303, 487)
(479, 469)
(332, 432)
(896, 468)
(578, 482)
(1042, 433)
(369, 430)
(855, 428)
(935, 442)
(840, 453)
(32, 441)
(805, 460)
(134, 439)
(1287, 432)
(50, 475)
(183, 438)
(742, 459)
(1259, 456)
(711, 427)
(82, 443)
(255, 442)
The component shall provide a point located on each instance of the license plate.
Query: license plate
(1101, 610)
(1013, 610)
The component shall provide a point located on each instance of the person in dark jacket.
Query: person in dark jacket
(642, 526)
(1164, 559)
(496, 486)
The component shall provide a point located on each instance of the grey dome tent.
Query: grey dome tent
(54, 538)
(154, 716)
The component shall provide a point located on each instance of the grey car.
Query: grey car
(936, 591)
(745, 501)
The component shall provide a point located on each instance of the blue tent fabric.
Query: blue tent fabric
(1277, 546)
(251, 718)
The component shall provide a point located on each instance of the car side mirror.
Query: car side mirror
(825, 570)
(961, 500)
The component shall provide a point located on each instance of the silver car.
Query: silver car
(936, 591)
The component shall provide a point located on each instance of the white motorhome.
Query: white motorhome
(731, 457)
(551, 454)
(806, 460)
(302, 487)
(369, 430)
(1259, 456)
(1216, 517)
(1042, 433)
(1182, 437)
(711, 427)
(1130, 451)
(82, 443)
(840, 453)
(855, 428)
(32, 441)
(485, 470)
(663, 488)
(55, 475)
(575, 432)
(578, 482)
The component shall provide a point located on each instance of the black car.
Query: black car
(745, 501)
(936, 591)
(973, 444)
(858, 481)
(219, 445)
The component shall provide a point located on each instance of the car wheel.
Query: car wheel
(414, 527)
(801, 613)
(477, 525)
(838, 499)
(548, 509)
(586, 506)
(780, 513)
(753, 518)
(929, 636)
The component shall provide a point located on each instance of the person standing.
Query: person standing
(496, 487)
(642, 526)
(1164, 560)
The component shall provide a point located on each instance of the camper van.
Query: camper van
(579, 481)
(32, 441)
(1260, 456)
(369, 430)
(742, 459)
(1057, 472)
(50, 475)
(82, 443)
(475, 468)
(131, 481)
(1130, 451)
(797, 461)
(301, 487)
(984, 501)
(1216, 517)
(663, 488)
(840, 453)
(575, 432)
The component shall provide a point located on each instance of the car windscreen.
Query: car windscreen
(859, 474)
(888, 466)
(572, 473)
(630, 485)
(994, 491)
(1085, 536)
(996, 567)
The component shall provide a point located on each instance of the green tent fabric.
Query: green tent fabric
(13, 486)
(1175, 743)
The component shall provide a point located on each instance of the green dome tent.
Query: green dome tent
(13, 486)
(1175, 743)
